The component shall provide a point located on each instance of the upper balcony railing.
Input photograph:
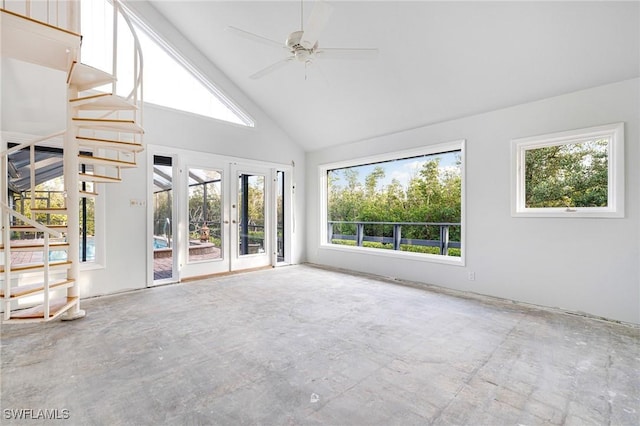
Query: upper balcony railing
(64, 14)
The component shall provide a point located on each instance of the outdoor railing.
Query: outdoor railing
(444, 243)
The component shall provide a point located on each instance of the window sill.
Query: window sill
(569, 213)
(90, 266)
(429, 258)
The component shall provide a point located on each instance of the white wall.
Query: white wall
(126, 238)
(30, 103)
(580, 265)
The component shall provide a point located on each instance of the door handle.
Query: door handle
(226, 222)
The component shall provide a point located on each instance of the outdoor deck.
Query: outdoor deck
(161, 265)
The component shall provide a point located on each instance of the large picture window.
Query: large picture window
(406, 203)
(570, 174)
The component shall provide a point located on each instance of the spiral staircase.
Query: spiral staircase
(102, 137)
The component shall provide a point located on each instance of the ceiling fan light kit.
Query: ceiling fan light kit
(301, 53)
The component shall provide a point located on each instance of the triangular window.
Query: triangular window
(169, 80)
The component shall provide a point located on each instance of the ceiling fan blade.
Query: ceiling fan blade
(317, 21)
(254, 37)
(271, 68)
(347, 53)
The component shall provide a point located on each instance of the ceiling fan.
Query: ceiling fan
(302, 45)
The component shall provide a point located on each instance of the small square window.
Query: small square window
(579, 173)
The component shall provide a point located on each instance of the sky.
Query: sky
(402, 170)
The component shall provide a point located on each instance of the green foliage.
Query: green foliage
(162, 212)
(369, 244)
(256, 200)
(455, 252)
(403, 247)
(205, 211)
(570, 175)
(433, 194)
(420, 249)
(50, 194)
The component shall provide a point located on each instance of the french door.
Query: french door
(251, 215)
(224, 216)
(205, 242)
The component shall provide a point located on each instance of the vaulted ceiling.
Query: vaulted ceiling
(437, 60)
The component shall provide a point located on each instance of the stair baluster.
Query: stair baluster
(94, 123)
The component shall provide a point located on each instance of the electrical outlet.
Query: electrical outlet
(136, 203)
(472, 276)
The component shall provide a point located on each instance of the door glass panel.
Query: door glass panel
(280, 216)
(162, 217)
(251, 214)
(205, 215)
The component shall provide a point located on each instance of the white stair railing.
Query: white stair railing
(7, 213)
(64, 14)
(4, 158)
(136, 95)
(31, 142)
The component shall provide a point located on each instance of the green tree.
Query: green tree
(569, 175)
(432, 195)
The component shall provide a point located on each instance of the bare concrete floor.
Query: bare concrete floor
(302, 345)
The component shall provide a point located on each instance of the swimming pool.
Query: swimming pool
(61, 255)
(160, 243)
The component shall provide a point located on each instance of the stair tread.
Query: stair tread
(88, 194)
(56, 308)
(97, 178)
(109, 124)
(110, 143)
(29, 289)
(105, 120)
(25, 227)
(36, 266)
(102, 101)
(36, 246)
(89, 159)
(49, 209)
(86, 77)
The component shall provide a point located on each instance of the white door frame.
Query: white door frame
(289, 218)
(212, 266)
(175, 229)
(253, 260)
(182, 160)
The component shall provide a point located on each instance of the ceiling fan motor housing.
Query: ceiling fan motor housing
(297, 49)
